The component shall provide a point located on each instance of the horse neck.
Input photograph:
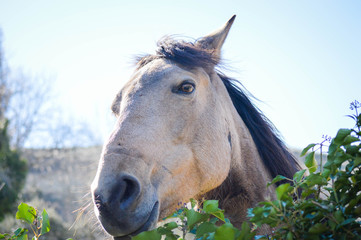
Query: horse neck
(245, 185)
(246, 182)
(247, 168)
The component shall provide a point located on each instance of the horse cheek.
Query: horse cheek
(212, 156)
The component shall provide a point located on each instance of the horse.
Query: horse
(185, 130)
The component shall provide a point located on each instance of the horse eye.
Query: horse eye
(186, 87)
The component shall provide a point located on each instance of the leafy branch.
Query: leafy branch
(38, 223)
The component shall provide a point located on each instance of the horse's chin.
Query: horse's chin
(119, 233)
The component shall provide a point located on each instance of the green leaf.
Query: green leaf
(194, 217)
(26, 213)
(332, 149)
(167, 232)
(352, 149)
(148, 235)
(281, 190)
(357, 161)
(45, 226)
(299, 175)
(172, 237)
(22, 237)
(311, 162)
(326, 173)
(305, 150)
(317, 228)
(289, 236)
(225, 232)
(246, 233)
(256, 214)
(21, 234)
(341, 135)
(350, 139)
(219, 214)
(205, 228)
(307, 192)
(339, 216)
(18, 231)
(210, 206)
(315, 179)
(171, 225)
(276, 179)
(347, 221)
(193, 203)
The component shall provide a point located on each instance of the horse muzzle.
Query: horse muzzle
(125, 208)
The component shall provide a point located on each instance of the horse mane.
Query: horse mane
(273, 152)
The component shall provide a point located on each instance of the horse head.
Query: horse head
(177, 136)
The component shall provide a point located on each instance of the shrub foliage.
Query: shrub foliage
(39, 224)
(329, 206)
(206, 223)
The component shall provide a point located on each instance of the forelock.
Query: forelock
(187, 54)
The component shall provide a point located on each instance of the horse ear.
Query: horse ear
(215, 40)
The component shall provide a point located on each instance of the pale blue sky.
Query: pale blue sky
(301, 58)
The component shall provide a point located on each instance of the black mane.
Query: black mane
(273, 152)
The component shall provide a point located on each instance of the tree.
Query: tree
(4, 90)
(22, 100)
(27, 107)
(13, 171)
(28, 103)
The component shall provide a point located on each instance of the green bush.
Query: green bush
(13, 171)
(59, 229)
(205, 223)
(330, 204)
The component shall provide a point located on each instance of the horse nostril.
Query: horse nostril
(126, 191)
(130, 189)
(119, 195)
